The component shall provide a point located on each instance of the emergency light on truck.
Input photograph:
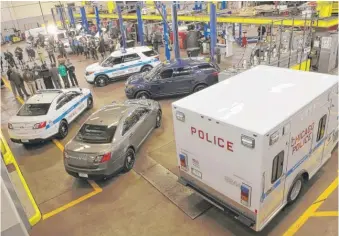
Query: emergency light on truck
(247, 141)
(180, 116)
(245, 194)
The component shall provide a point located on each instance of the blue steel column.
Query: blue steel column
(223, 5)
(71, 16)
(122, 29)
(84, 18)
(175, 31)
(240, 31)
(61, 16)
(53, 15)
(213, 29)
(97, 18)
(140, 26)
(167, 49)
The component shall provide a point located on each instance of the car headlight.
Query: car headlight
(129, 86)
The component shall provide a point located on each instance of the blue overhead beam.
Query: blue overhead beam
(213, 29)
(140, 26)
(175, 31)
(61, 16)
(223, 5)
(122, 29)
(166, 34)
(97, 18)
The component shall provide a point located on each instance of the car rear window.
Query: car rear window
(34, 109)
(96, 133)
(150, 53)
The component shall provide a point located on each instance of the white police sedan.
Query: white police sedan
(47, 114)
(121, 64)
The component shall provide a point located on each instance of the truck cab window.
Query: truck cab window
(321, 128)
(277, 166)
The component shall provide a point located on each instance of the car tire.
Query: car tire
(129, 160)
(101, 81)
(146, 68)
(89, 103)
(199, 87)
(142, 95)
(63, 129)
(158, 119)
(295, 190)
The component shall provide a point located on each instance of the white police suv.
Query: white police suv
(120, 64)
(47, 114)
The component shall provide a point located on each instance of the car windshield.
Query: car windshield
(110, 61)
(154, 71)
(34, 109)
(96, 133)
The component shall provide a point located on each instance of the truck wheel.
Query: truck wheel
(63, 129)
(295, 190)
(142, 95)
(146, 68)
(101, 81)
(199, 87)
(129, 160)
(158, 120)
(90, 103)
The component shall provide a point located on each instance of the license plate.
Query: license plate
(24, 140)
(83, 175)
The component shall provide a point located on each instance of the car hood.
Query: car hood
(137, 78)
(80, 147)
(95, 67)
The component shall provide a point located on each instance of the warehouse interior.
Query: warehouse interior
(40, 193)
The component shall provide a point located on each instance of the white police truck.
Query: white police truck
(248, 144)
(122, 64)
(47, 114)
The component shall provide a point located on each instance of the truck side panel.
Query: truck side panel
(216, 158)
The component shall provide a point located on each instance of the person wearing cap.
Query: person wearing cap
(38, 77)
(28, 77)
(71, 72)
(55, 76)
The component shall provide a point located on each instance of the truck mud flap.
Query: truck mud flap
(183, 197)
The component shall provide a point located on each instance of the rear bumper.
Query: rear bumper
(31, 138)
(224, 203)
(93, 174)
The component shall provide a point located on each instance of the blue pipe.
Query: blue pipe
(140, 26)
(175, 31)
(71, 16)
(84, 18)
(166, 36)
(97, 18)
(213, 29)
(122, 29)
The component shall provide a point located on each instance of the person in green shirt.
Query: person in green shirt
(63, 73)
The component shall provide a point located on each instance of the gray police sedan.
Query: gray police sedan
(107, 142)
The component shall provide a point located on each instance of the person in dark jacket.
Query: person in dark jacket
(28, 77)
(93, 49)
(19, 82)
(261, 32)
(71, 73)
(62, 50)
(13, 86)
(10, 59)
(101, 48)
(38, 77)
(19, 55)
(55, 77)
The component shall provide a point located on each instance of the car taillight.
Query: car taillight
(40, 125)
(215, 73)
(10, 126)
(102, 158)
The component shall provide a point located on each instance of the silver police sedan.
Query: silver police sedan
(107, 142)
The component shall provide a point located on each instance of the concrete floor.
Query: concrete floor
(129, 204)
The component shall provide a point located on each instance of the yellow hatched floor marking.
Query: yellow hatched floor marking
(94, 185)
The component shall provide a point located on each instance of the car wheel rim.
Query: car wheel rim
(130, 161)
(158, 120)
(143, 96)
(146, 69)
(296, 190)
(89, 102)
(63, 130)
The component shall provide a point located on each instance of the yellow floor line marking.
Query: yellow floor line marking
(93, 184)
(325, 213)
(312, 209)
